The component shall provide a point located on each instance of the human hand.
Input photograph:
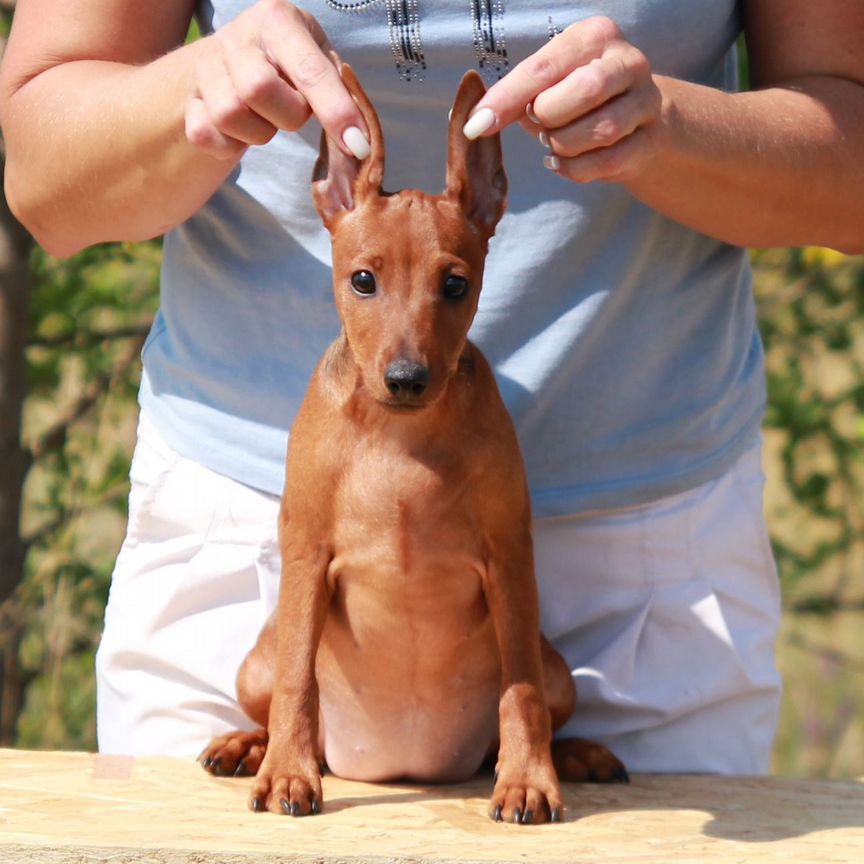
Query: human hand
(270, 68)
(588, 95)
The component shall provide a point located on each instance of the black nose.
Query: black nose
(406, 379)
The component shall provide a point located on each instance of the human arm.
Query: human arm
(779, 166)
(116, 130)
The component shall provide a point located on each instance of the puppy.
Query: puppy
(406, 642)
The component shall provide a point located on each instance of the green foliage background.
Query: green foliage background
(89, 317)
(812, 319)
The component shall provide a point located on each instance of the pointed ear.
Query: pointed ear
(340, 181)
(475, 169)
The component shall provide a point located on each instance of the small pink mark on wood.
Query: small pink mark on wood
(107, 767)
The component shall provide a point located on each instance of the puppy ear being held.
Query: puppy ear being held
(333, 180)
(475, 169)
(371, 174)
(339, 181)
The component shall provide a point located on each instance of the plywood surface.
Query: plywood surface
(76, 807)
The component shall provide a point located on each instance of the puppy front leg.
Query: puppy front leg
(289, 779)
(527, 789)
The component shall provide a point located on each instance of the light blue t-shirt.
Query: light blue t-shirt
(625, 344)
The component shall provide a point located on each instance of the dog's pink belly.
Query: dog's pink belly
(408, 666)
(408, 738)
(420, 705)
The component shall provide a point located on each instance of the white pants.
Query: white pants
(667, 613)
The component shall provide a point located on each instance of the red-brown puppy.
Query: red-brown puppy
(406, 643)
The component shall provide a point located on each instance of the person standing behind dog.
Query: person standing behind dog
(617, 311)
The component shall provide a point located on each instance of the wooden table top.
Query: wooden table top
(79, 807)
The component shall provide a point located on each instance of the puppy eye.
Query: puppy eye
(455, 287)
(363, 282)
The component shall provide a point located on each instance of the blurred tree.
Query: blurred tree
(89, 316)
(81, 336)
(15, 246)
(71, 334)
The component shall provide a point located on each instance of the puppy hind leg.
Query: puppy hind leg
(237, 754)
(576, 759)
(558, 685)
(581, 761)
(256, 675)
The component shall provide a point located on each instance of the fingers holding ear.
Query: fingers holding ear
(270, 68)
(306, 59)
(475, 170)
(238, 100)
(507, 99)
(589, 96)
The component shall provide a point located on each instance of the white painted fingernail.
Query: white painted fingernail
(544, 139)
(484, 119)
(449, 115)
(529, 110)
(553, 163)
(356, 142)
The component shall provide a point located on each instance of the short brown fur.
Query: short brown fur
(406, 642)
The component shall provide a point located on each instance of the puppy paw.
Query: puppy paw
(237, 754)
(583, 761)
(527, 797)
(289, 789)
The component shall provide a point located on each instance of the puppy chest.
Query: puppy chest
(406, 526)
(403, 501)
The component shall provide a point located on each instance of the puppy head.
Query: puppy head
(408, 267)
